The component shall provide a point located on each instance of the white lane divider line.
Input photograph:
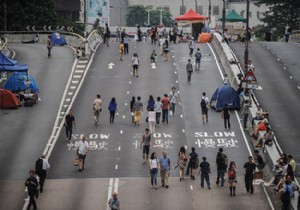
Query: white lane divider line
(181, 116)
(185, 146)
(121, 131)
(82, 61)
(109, 192)
(68, 99)
(175, 72)
(127, 92)
(79, 71)
(129, 82)
(174, 64)
(123, 116)
(70, 93)
(177, 81)
(126, 104)
(73, 87)
(119, 148)
(116, 185)
(183, 131)
(191, 187)
(116, 167)
(65, 106)
(77, 76)
(62, 113)
(75, 81)
(179, 103)
(80, 66)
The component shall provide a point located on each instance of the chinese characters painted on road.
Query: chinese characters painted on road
(216, 139)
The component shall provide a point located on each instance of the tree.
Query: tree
(280, 13)
(166, 18)
(137, 15)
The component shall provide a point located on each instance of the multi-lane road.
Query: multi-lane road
(115, 160)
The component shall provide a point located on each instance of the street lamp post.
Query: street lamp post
(196, 6)
(5, 16)
(148, 11)
(209, 12)
(182, 7)
(223, 18)
(246, 56)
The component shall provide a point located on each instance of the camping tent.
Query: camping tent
(8, 100)
(233, 16)
(57, 39)
(17, 81)
(192, 17)
(7, 64)
(225, 95)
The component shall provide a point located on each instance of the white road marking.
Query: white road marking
(291, 77)
(121, 131)
(116, 185)
(68, 99)
(62, 113)
(176, 81)
(175, 72)
(174, 64)
(119, 148)
(298, 87)
(80, 66)
(73, 87)
(129, 82)
(75, 81)
(116, 167)
(82, 61)
(278, 59)
(181, 116)
(126, 104)
(127, 92)
(284, 68)
(70, 93)
(185, 146)
(79, 71)
(191, 187)
(183, 131)
(77, 76)
(179, 103)
(110, 188)
(123, 116)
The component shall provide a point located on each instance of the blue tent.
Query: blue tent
(57, 39)
(7, 64)
(17, 81)
(225, 95)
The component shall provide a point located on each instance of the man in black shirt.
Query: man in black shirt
(226, 116)
(205, 171)
(69, 122)
(31, 183)
(249, 169)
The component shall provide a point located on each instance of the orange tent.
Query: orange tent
(192, 17)
(8, 100)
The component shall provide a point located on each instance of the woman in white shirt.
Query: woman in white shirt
(154, 165)
(135, 65)
(151, 120)
(158, 110)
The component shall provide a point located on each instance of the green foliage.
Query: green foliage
(281, 13)
(138, 15)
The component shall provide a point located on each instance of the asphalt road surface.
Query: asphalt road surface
(279, 76)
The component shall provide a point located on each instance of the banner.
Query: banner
(98, 9)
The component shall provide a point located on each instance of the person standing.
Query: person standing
(287, 32)
(205, 171)
(126, 44)
(151, 103)
(226, 116)
(182, 160)
(198, 57)
(158, 110)
(165, 166)
(245, 113)
(112, 107)
(97, 108)
(69, 123)
(145, 144)
(173, 95)
(165, 48)
(139, 33)
(151, 120)
(204, 107)
(121, 50)
(132, 108)
(114, 203)
(123, 33)
(249, 168)
(138, 109)
(189, 71)
(118, 32)
(286, 195)
(175, 32)
(232, 178)
(191, 46)
(165, 108)
(31, 183)
(221, 168)
(135, 65)
(106, 35)
(154, 165)
(41, 167)
(49, 46)
(83, 148)
(193, 163)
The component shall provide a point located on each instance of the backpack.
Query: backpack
(198, 55)
(189, 67)
(231, 173)
(39, 165)
(203, 103)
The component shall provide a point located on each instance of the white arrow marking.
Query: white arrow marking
(110, 65)
(28, 29)
(50, 28)
(33, 28)
(45, 29)
(57, 27)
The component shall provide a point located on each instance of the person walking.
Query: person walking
(232, 178)
(226, 116)
(165, 166)
(112, 107)
(83, 148)
(135, 65)
(123, 33)
(286, 195)
(165, 48)
(191, 46)
(198, 57)
(181, 161)
(221, 169)
(126, 44)
(121, 50)
(287, 32)
(151, 103)
(139, 34)
(97, 108)
(158, 110)
(151, 120)
(132, 108)
(193, 163)
(204, 102)
(114, 203)
(69, 123)
(165, 108)
(189, 71)
(205, 171)
(49, 46)
(153, 165)
(32, 188)
(106, 35)
(145, 144)
(41, 167)
(249, 168)
(118, 33)
(245, 113)
(173, 95)
(138, 109)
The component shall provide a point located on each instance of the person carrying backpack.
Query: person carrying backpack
(198, 57)
(189, 71)
(232, 178)
(204, 107)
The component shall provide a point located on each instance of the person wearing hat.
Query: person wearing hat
(198, 56)
(249, 169)
(191, 46)
(189, 71)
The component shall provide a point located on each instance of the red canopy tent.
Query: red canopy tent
(192, 17)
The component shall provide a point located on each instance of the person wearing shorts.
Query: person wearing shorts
(145, 145)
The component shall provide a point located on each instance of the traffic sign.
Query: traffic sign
(250, 77)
